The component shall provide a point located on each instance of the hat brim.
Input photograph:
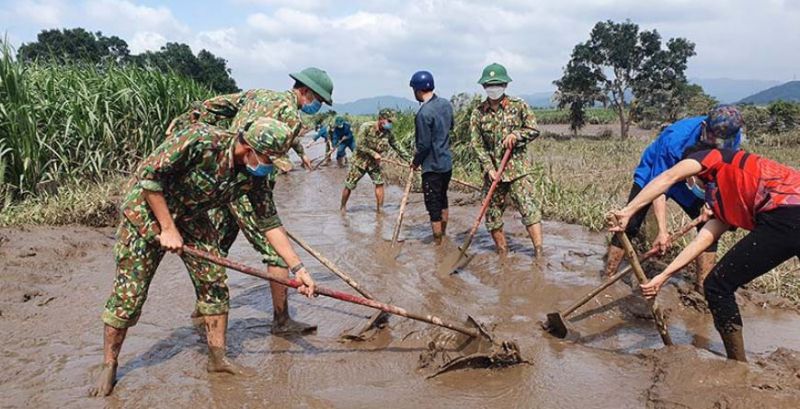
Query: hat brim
(305, 80)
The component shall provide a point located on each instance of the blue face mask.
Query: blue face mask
(311, 108)
(261, 170)
(696, 190)
(387, 126)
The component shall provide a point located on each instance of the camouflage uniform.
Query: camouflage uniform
(195, 171)
(488, 128)
(372, 141)
(236, 111)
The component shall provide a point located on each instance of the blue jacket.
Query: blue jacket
(341, 133)
(433, 124)
(667, 150)
(321, 133)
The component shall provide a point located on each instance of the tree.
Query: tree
(619, 61)
(577, 89)
(667, 105)
(80, 46)
(74, 45)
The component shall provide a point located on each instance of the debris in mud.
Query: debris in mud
(30, 295)
(27, 254)
(691, 298)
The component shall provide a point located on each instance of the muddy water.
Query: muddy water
(54, 281)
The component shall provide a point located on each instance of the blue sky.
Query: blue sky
(372, 47)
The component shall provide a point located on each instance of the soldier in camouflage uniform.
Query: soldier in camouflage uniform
(499, 122)
(312, 87)
(200, 168)
(375, 137)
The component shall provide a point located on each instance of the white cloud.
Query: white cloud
(370, 47)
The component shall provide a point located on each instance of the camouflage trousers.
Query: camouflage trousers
(520, 192)
(357, 172)
(137, 260)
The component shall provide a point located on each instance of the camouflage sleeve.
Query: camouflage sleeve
(477, 143)
(219, 108)
(530, 130)
(257, 211)
(297, 146)
(172, 156)
(398, 147)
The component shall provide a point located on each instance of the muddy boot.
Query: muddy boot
(438, 234)
(705, 263)
(734, 344)
(219, 363)
(539, 252)
(444, 227)
(112, 344)
(500, 244)
(613, 260)
(345, 198)
(283, 325)
(535, 233)
(198, 321)
(340, 162)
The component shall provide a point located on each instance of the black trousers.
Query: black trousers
(775, 239)
(635, 224)
(434, 187)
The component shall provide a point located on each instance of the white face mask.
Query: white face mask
(495, 92)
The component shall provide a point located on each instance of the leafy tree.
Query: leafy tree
(74, 45)
(79, 45)
(577, 89)
(665, 106)
(618, 61)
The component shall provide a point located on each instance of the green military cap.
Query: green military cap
(387, 113)
(267, 136)
(494, 74)
(318, 80)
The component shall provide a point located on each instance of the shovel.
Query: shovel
(376, 321)
(556, 323)
(488, 351)
(399, 223)
(454, 180)
(462, 259)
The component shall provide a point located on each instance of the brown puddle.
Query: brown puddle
(54, 281)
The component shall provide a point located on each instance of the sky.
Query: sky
(372, 47)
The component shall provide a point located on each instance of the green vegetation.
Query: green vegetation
(78, 46)
(618, 60)
(62, 124)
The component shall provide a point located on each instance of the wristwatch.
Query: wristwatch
(297, 267)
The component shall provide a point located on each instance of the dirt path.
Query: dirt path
(54, 282)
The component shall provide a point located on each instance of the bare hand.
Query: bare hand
(510, 140)
(308, 287)
(662, 242)
(377, 156)
(618, 220)
(650, 288)
(706, 214)
(171, 240)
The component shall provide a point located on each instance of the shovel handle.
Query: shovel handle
(294, 283)
(646, 256)
(329, 264)
(399, 223)
(454, 180)
(486, 200)
(661, 324)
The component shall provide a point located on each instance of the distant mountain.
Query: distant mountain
(539, 99)
(789, 91)
(370, 106)
(728, 90)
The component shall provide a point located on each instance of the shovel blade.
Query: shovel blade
(556, 325)
(377, 322)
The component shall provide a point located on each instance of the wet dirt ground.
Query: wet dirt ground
(54, 282)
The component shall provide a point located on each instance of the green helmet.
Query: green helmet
(267, 136)
(387, 113)
(494, 74)
(339, 121)
(318, 80)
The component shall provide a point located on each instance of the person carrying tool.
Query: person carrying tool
(375, 137)
(501, 122)
(324, 131)
(745, 191)
(311, 88)
(201, 167)
(342, 137)
(722, 123)
(432, 126)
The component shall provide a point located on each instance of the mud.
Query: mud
(54, 282)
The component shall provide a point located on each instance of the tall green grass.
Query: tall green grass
(79, 123)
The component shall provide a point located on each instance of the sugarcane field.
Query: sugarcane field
(429, 204)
